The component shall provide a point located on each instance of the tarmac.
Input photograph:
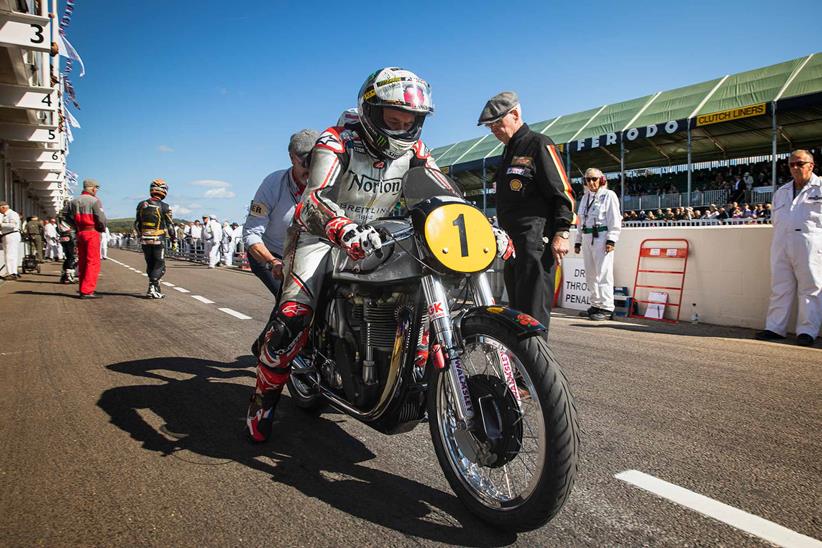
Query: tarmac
(121, 422)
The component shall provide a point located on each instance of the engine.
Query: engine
(363, 330)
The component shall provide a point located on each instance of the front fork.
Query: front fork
(440, 316)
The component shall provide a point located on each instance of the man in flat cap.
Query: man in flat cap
(85, 215)
(535, 205)
(272, 209)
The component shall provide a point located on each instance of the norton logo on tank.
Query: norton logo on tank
(630, 135)
(364, 183)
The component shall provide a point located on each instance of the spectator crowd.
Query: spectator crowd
(732, 212)
(738, 180)
(199, 240)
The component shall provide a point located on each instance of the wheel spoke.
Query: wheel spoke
(516, 478)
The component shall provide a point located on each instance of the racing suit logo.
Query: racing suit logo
(364, 183)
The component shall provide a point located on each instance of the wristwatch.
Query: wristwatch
(564, 234)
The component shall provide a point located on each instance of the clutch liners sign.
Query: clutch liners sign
(730, 114)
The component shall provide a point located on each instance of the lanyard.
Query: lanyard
(588, 207)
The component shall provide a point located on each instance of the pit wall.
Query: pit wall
(728, 272)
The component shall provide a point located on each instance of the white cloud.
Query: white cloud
(165, 148)
(211, 183)
(219, 193)
(180, 210)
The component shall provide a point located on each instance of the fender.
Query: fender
(523, 324)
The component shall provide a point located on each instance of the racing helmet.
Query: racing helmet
(396, 88)
(158, 188)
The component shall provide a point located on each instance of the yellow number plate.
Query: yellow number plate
(460, 237)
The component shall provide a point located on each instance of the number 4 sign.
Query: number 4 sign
(37, 98)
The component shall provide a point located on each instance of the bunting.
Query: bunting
(70, 93)
(71, 119)
(64, 22)
(67, 50)
(71, 178)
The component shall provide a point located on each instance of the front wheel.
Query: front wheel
(525, 426)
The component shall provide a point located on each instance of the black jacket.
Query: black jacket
(531, 182)
(153, 221)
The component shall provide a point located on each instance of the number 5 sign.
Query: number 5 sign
(26, 31)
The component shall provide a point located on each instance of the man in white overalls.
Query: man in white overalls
(796, 254)
(599, 223)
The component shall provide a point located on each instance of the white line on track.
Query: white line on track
(235, 313)
(200, 298)
(762, 528)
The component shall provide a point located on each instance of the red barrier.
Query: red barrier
(671, 249)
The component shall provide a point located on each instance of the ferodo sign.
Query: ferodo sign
(630, 135)
(730, 114)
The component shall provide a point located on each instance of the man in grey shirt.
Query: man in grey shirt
(271, 211)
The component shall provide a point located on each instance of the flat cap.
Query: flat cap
(90, 183)
(498, 106)
(302, 142)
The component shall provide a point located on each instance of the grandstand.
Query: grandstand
(679, 147)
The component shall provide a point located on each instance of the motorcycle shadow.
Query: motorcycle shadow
(203, 414)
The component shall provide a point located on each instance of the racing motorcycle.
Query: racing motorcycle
(499, 408)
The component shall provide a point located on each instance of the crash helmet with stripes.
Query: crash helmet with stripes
(393, 88)
(158, 188)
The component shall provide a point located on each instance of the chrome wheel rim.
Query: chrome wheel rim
(510, 485)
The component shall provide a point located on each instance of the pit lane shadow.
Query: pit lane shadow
(204, 413)
(683, 328)
(76, 296)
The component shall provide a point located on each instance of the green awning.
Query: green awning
(676, 104)
(750, 88)
(807, 81)
(655, 125)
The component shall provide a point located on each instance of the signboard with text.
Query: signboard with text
(574, 293)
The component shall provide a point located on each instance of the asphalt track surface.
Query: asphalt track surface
(121, 424)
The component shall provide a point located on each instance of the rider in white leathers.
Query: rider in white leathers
(355, 177)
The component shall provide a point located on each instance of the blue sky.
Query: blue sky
(206, 93)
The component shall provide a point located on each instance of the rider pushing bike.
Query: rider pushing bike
(355, 177)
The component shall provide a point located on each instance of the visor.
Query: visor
(408, 93)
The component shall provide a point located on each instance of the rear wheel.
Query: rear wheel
(525, 426)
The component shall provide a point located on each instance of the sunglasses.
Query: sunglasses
(591, 179)
(498, 123)
(799, 164)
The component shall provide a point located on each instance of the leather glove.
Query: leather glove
(358, 241)
(505, 246)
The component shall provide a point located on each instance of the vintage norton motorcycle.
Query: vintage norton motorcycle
(500, 411)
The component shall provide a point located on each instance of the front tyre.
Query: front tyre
(524, 417)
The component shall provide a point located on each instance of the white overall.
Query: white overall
(600, 210)
(796, 258)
